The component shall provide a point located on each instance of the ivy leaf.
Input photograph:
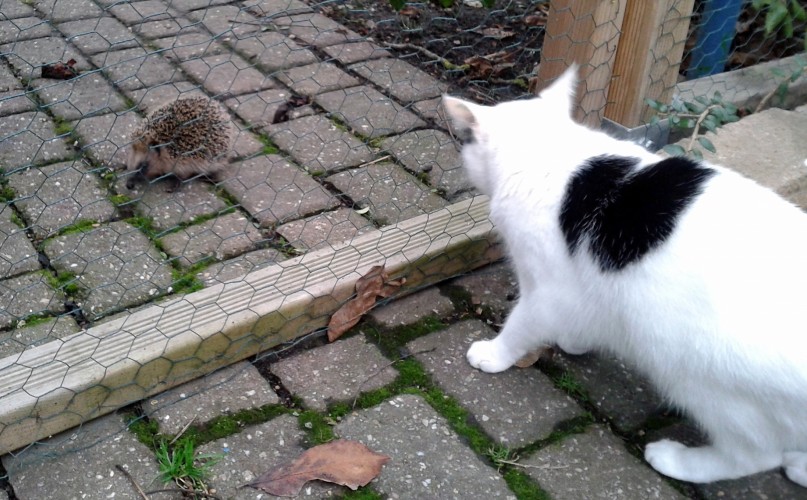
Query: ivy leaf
(799, 14)
(653, 104)
(654, 120)
(397, 4)
(710, 123)
(695, 107)
(707, 144)
(696, 153)
(675, 150)
(777, 12)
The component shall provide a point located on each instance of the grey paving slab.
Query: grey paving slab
(318, 376)
(21, 338)
(771, 484)
(150, 99)
(226, 22)
(352, 52)
(115, 264)
(225, 391)
(494, 287)
(434, 153)
(316, 78)
(272, 51)
(315, 29)
(404, 81)
(626, 397)
(17, 254)
(80, 464)
(245, 145)
(58, 195)
(8, 81)
(427, 459)
(136, 68)
(88, 94)
(188, 5)
(325, 230)
(234, 269)
(595, 465)
(16, 101)
(258, 109)
(133, 13)
(25, 295)
(319, 144)
(161, 28)
(262, 8)
(24, 28)
(432, 109)
(67, 10)
(28, 56)
(255, 450)
(187, 46)
(515, 408)
(29, 138)
(274, 191)
(413, 308)
(13, 9)
(391, 193)
(221, 238)
(101, 34)
(368, 112)
(192, 199)
(106, 137)
(226, 74)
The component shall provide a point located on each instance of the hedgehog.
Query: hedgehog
(185, 138)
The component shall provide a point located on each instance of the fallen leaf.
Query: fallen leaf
(60, 70)
(532, 357)
(535, 20)
(374, 284)
(344, 462)
(497, 33)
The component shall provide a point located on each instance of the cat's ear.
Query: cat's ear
(563, 89)
(464, 117)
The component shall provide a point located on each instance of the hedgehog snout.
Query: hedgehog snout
(139, 171)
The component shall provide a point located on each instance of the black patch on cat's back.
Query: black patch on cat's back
(623, 211)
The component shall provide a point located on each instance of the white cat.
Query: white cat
(689, 271)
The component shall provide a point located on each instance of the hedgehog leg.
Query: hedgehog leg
(174, 183)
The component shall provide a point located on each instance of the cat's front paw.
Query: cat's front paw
(486, 355)
(665, 457)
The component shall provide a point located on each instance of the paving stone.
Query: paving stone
(227, 22)
(258, 109)
(401, 79)
(326, 230)
(368, 112)
(115, 264)
(236, 268)
(516, 407)
(131, 13)
(88, 94)
(221, 238)
(318, 376)
(494, 286)
(253, 451)
(54, 196)
(29, 138)
(28, 56)
(226, 74)
(319, 144)
(67, 10)
(626, 397)
(413, 308)
(223, 392)
(107, 137)
(26, 295)
(189, 46)
(432, 109)
(194, 198)
(13, 9)
(8, 81)
(349, 53)
(262, 8)
(595, 465)
(315, 29)
(101, 34)
(271, 51)
(150, 99)
(316, 78)
(766, 485)
(275, 191)
(188, 5)
(24, 28)
(427, 459)
(16, 101)
(391, 193)
(17, 254)
(245, 145)
(136, 68)
(161, 28)
(80, 463)
(17, 340)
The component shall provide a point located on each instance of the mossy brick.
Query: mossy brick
(428, 460)
(402, 80)
(223, 392)
(516, 407)
(272, 51)
(259, 108)
(235, 269)
(226, 74)
(191, 199)
(136, 68)
(187, 46)
(319, 376)
(67, 10)
(319, 144)
(275, 191)
(25, 28)
(23, 337)
(105, 138)
(349, 53)
(58, 195)
(325, 230)
(100, 34)
(368, 112)
(390, 192)
(86, 95)
(412, 308)
(26, 295)
(316, 78)
(29, 138)
(221, 238)
(315, 29)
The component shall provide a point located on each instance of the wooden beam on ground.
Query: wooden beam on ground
(585, 32)
(56, 386)
(647, 60)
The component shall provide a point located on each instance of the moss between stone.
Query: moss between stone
(318, 429)
(364, 493)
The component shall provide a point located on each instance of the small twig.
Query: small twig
(131, 480)
(423, 50)
(182, 431)
(378, 372)
(528, 466)
(185, 492)
(377, 160)
(697, 128)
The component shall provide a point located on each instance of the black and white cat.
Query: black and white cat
(689, 271)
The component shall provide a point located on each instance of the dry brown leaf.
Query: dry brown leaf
(532, 357)
(60, 70)
(497, 32)
(374, 284)
(344, 462)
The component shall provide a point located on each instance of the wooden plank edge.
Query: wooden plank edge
(50, 388)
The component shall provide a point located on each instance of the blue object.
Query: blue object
(715, 35)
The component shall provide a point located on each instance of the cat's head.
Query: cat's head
(488, 133)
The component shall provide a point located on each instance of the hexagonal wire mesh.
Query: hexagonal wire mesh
(116, 286)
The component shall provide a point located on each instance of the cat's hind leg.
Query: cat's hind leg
(795, 464)
(705, 464)
(517, 338)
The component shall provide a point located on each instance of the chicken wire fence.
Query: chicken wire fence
(116, 287)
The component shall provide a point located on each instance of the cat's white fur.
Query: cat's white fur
(716, 316)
